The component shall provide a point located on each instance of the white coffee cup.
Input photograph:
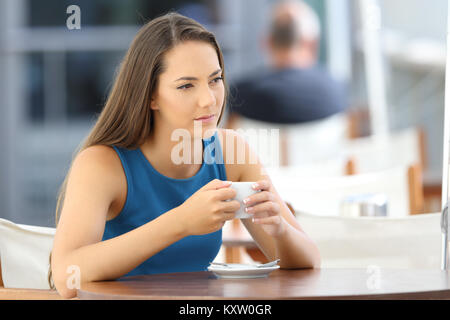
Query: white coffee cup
(243, 191)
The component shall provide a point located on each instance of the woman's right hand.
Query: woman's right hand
(209, 208)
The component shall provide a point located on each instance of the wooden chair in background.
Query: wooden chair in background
(363, 154)
(359, 126)
(403, 186)
(406, 147)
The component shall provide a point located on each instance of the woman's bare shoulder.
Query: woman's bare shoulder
(98, 153)
(99, 162)
(98, 156)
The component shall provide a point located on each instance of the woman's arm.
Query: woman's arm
(94, 182)
(275, 229)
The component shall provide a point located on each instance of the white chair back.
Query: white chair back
(24, 255)
(317, 140)
(409, 242)
(323, 196)
(305, 142)
(401, 148)
(332, 167)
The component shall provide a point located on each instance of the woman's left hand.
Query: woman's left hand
(265, 209)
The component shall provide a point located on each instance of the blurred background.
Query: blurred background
(54, 81)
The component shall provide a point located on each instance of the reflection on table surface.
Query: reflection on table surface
(280, 284)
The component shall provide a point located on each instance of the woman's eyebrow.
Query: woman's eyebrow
(194, 78)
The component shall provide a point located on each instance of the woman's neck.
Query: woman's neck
(176, 159)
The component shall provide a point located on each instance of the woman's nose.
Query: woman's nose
(207, 98)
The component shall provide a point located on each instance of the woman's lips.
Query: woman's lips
(206, 118)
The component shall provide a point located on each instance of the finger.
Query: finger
(231, 206)
(228, 216)
(270, 207)
(261, 185)
(259, 197)
(267, 220)
(224, 194)
(220, 225)
(216, 184)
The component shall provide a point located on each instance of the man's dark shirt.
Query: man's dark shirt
(288, 96)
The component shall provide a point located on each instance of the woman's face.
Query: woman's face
(190, 88)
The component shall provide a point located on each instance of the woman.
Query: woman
(129, 206)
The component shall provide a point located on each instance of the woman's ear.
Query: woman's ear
(153, 104)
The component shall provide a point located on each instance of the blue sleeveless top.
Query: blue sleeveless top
(151, 194)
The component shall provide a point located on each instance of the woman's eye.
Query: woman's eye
(189, 85)
(217, 79)
(185, 86)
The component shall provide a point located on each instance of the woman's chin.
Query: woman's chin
(209, 132)
(204, 131)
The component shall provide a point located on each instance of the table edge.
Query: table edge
(417, 295)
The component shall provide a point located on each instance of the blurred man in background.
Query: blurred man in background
(294, 90)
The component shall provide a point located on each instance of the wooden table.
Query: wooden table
(28, 294)
(281, 284)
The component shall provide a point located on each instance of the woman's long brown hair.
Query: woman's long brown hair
(126, 119)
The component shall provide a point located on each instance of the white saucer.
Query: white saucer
(240, 271)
